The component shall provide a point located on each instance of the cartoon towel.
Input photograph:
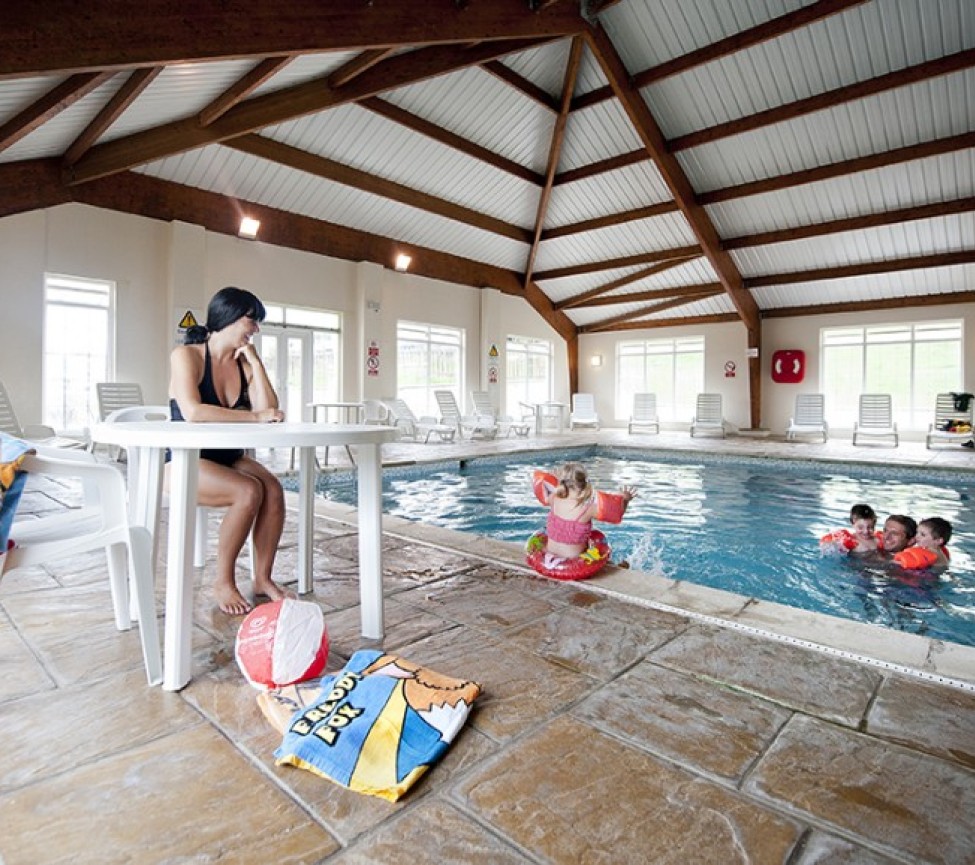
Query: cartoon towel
(375, 726)
(12, 480)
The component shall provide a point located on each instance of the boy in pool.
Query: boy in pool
(862, 540)
(573, 506)
(929, 550)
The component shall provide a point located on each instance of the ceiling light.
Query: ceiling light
(403, 262)
(249, 227)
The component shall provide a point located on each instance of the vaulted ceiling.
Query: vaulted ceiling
(620, 164)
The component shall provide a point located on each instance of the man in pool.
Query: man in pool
(899, 533)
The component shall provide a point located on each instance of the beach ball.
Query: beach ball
(281, 643)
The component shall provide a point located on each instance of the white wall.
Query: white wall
(163, 268)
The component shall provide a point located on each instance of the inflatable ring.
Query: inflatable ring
(579, 568)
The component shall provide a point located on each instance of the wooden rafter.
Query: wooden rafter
(528, 88)
(329, 169)
(554, 151)
(277, 107)
(673, 303)
(740, 41)
(242, 88)
(871, 305)
(901, 78)
(897, 156)
(690, 292)
(582, 298)
(853, 223)
(50, 105)
(357, 65)
(684, 321)
(46, 36)
(594, 169)
(134, 85)
(418, 124)
(618, 263)
(612, 219)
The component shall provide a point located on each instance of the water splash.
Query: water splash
(648, 555)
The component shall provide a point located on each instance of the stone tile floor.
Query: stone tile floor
(609, 731)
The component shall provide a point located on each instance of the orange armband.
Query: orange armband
(544, 485)
(843, 538)
(610, 507)
(915, 558)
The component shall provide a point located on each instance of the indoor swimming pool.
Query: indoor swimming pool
(745, 525)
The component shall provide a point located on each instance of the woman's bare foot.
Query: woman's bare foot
(270, 589)
(231, 601)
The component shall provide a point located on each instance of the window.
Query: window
(528, 376)
(79, 339)
(673, 369)
(911, 362)
(428, 358)
(302, 352)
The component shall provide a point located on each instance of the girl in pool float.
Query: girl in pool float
(570, 548)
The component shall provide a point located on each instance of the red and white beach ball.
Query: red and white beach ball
(281, 643)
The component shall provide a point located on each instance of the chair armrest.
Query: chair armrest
(38, 431)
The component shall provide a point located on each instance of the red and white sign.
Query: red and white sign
(729, 369)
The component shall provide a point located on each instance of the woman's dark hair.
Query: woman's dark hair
(227, 306)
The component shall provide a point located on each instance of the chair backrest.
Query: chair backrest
(482, 403)
(447, 403)
(374, 411)
(709, 408)
(8, 419)
(944, 410)
(810, 409)
(584, 404)
(644, 406)
(400, 410)
(876, 410)
(134, 413)
(113, 395)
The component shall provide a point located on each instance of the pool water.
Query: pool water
(745, 525)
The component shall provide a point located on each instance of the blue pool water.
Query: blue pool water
(745, 525)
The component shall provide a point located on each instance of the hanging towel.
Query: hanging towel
(962, 400)
(375, 726)
(12, 480)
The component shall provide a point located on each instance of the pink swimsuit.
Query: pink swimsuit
(565, 531)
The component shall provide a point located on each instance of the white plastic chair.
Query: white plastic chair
(473, 425)
(809, 417)
(161, 413)
(583, 411)
(946, 416)
(644, 413)
(709, 416)
(876, 418)
(412, 427)
(35, 433)
(375, 412)
(102, 523)
(115, 395)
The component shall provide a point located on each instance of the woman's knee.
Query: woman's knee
(250, 494)
(273, 495)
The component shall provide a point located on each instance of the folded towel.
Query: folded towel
(12, 480)
(375, 726)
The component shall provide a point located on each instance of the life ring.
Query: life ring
(581, 567)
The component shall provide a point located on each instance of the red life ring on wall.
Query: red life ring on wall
(593, 560)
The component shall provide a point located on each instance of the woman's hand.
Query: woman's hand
(268, 415)
(248, 353)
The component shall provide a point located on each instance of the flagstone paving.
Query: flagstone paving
(607, 732)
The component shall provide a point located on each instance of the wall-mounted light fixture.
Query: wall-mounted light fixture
(403, 262)
(249, 227)
(596, 360)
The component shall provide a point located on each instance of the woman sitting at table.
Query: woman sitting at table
(217, 376)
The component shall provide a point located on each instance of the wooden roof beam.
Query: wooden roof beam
(45, 36)
(636, 276)
(277, 107)
(242, 88)
(611, 323)
(528, 88)
(648, 212)
(871, 305)
(329, 169)
(50, 105)
(554, 151)
(616, 263)
(690, 292)
(740, 41)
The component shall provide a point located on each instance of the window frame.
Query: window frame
(670, 408)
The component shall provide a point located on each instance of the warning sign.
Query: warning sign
(493, 352)
(188, 320)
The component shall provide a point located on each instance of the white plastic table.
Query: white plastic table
(185, 440)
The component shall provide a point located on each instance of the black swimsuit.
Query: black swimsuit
(208, 396)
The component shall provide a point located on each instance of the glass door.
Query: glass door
(287, 355)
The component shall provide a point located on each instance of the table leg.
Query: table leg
(306, 518)
(178, 667)
(370, 478)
